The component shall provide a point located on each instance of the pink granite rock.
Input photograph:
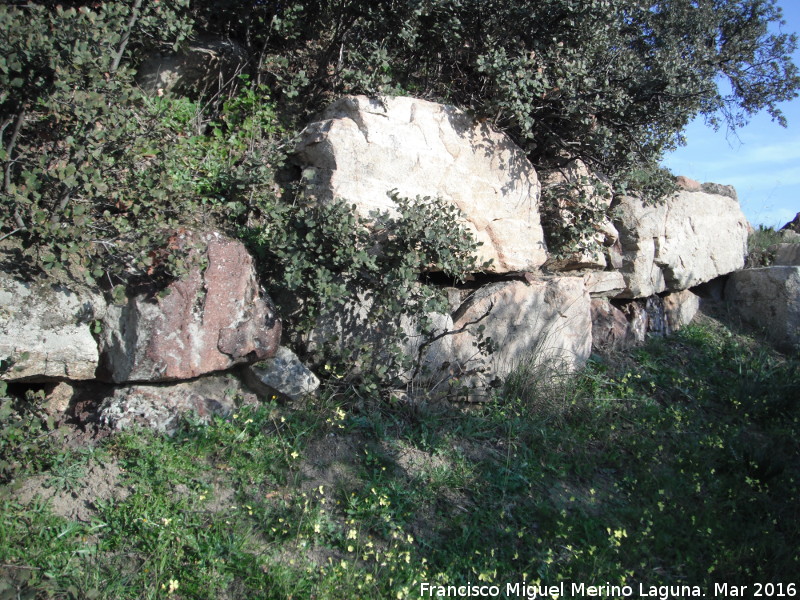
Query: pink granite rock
(210, 320)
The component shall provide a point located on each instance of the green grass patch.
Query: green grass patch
(673, 464)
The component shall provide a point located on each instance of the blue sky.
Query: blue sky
(762, 161)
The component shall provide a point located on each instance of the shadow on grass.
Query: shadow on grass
(674, 464)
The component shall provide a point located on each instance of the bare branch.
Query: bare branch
(10, 149)
(126, 36)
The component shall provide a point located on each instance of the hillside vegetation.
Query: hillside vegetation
(675, 464)
(97, 174)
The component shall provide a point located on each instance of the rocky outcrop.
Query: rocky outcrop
(282, 376)
(360, 149)
(46, 330)
(769, 298)
(544, 322)
(210, 320)
(678, 244)
(161, 407)
(204, 67)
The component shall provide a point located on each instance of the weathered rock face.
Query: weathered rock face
(574, 183)
(769, 298)
(787, 255)
(52, 324)
(680, 308)
(209, 321)
(610, 327)
(344, 331)
(360, 149)
(205, 66)
(546, 322)
(160, 407)
(691, 238)
(281, 376)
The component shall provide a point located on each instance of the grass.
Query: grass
(674, 464)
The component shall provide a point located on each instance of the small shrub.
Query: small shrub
(760, 247)
(25, 445)
(571, 212)
(319, 258)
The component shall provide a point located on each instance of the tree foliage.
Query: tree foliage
(90, 165)
(96, 174)
(610, 81)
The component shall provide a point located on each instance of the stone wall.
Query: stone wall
(216, 320)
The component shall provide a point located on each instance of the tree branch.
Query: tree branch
(10, 149)
(126, 36)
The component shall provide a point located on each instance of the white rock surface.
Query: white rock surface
(544, 322)
(360, 149)
(769, 298)
(281, 375)
(604, 284)
(161, 407)
(52, 324)
(691, 238)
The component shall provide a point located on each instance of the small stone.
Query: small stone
(282, 376)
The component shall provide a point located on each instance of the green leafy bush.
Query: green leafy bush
(318, 258)
(610, 81)
(76, 181)
(94, 172)
(25, 445)
(97, 175)
(570, 212)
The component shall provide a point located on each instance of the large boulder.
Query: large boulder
(210, 320)
(692, 237)
(541, 322)
(46, 330)
(769, 298)
(360, 149)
